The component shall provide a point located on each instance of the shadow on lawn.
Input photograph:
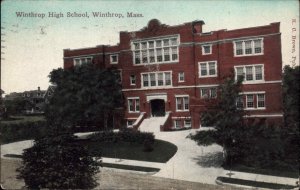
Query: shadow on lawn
(210, 160)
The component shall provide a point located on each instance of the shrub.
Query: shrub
(127, 135)
(22, 131)
(55, 163)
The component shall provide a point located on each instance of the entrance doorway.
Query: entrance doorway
(157, 108)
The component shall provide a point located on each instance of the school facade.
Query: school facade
(171, 71)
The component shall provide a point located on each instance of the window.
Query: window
(145, 80)
(260, 100)
(187, 123)
(208, 92)
(156, 79)
(160, 79)
(155, 51)
(152, 79)
(133, 105)
(206, 49)
(177, 124)
(83, 60)
(248, 47)
(208, 69)
(240, 102)
(137, 57)
(182, 103)
(181, 77)
(253, 73)
(254, 100)
(132, 79)
(167, 79)
(114, 59)
(250, 100)
(130, 122)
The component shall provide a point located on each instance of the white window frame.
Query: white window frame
(132, 78)
(203, 49)
(130, 120)
(81, 60)
(255, 100)
(207, 69)
(209, 92)
(253, 73)
(240, 97)
(183, 103)
(155, 48)
(253, 95)
(111, 59)
(187, 126)
(181, 76)
(176, 121)
(252, 47)
(264, 101)
(156, 80)
(134, 105)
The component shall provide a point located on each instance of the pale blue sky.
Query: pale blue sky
(32, 47)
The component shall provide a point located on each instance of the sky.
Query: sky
(31, 47)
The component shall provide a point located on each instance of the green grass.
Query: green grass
(20, 119)
(162, 150)
(254, 183)
(270, 171)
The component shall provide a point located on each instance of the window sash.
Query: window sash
(250, 100)
(249, 73)
(156, 79)
(249, 47)
(212, 68)
(260, 100)
(203, 69)
(187, 123)
(145, 80)
(132, 80)
(182, 103)
(181, 76)
(156, 51)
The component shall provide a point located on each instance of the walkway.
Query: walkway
(190, 163)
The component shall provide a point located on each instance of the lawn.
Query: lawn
(256, 184)
(21, 119)
(271, 171)
(162, 150)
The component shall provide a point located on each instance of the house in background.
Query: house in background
(35, 99)
(169, 72)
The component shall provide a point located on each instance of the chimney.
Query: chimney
(39, 89)
(197, 26)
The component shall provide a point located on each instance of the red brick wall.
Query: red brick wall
(190, 54)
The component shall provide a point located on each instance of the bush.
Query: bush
(22, 131)
(55, 163)
(127, 135)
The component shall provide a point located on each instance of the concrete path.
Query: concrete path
(190, 163)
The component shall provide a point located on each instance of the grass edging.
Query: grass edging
(243, 182)
(281, 173)
(130, 167)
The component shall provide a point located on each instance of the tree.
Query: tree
(291, 94)
(16, 106)
(84, 95)
(291, 107)
(225, 116)
(55, 162)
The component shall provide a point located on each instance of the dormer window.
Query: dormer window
(114, 59)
